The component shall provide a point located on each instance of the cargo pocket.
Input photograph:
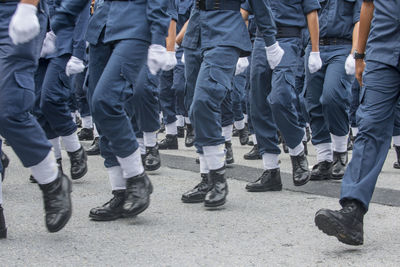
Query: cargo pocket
(347, 7)
(23, 99)
(223, 82)
(128, 71)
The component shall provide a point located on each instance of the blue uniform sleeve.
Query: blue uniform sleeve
(310, 5)
(246, 6)
(264, 20)
(79, 43)
(173, 10)
(67, 13)
(159, 20)
(356, 11)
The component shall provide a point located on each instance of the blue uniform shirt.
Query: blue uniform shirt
(384, 38)
(172, 10)
(292, 13)
(120, 20)
(337, 18)
(184, 8)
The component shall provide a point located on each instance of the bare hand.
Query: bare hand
(360, 66)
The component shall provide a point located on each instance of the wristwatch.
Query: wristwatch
(358, 55)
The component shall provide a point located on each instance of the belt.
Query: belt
(287, 32)
(334, 41)
(207, 5)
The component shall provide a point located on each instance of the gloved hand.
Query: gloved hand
(314, 62)
(24, 25)
(274, 55)
(157, 58)
(183, 58)
(74, 66)
(171, 61)
(49, 44)
(241, 65)
(350, 65)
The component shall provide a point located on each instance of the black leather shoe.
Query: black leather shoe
(270, 180)
(308, 134)
(197, 161)
(169, 142)
(94, 149)
(181, 131)
(243, 136)
(321, 171)
(250, 143)
(60, 169)
(152, 160)
(235, 132)
(78, 122)
(229, 153)
(198, 193)
(85, 134)
(339, 165)
(345, 224)
(5, 161)
(57, 202)
(78, 163)
(396, 164)
(350, 144)
(254, 154)
(137, 195)
(3, 228)
(301, 172)
(216, 196)
(111, 210)
(284, 146)
(162, 128)
(305, 148)
(189, 139)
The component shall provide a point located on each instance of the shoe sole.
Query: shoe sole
(185, 200)
(189, 145)
(93, 153)
(214, 205)
(102, 219)
(230, 161)
(130, 215)
(252, 158)
(3, 233)
(61, 226)
(302, 183)
(154, 168)
(86, 139)
(79, 176)
(332, 228)
(269, 189)
(168, 148)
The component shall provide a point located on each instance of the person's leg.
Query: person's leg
(227, 119)
(396, 136)
(378, 99)
(238, 90)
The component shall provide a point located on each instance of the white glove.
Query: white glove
(171, 61)
(49, 44)
(350, 65)
(241, 65)
(157, 58)
(274, 55)
(24, 25)
(74, 66)
(183, 58)
(314, 62)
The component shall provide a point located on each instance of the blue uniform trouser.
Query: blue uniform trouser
(227, 113)
(18, 64)
(376, 114)
(79, 84)
(179, 85)
(214, 80)
(193, 59)
(1, 165)
(116, 66)
(355, 102)
(56, 94)
(238, 92)
(328, 94)
(146, 101)
(273, 96)
(300, 102)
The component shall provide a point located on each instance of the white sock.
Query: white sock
(87, 122)
(46, 171)
(131, 165)
(254, 138)
(246, 118)
(227, 132)
(95, 132)
(71, 142)
(116, 178)
(142, 147)
(161, 117)
(73, 115)
(339, 143)
(305, 135)
(56, 147)
(324, 152)
(214, 156)
(180, 122)
(203, 164)
(396, 140)
(239, 124)
(270, 161)
(150, 139)
(171, 128)
(355, 131)
(187, 120)
(297, 150)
